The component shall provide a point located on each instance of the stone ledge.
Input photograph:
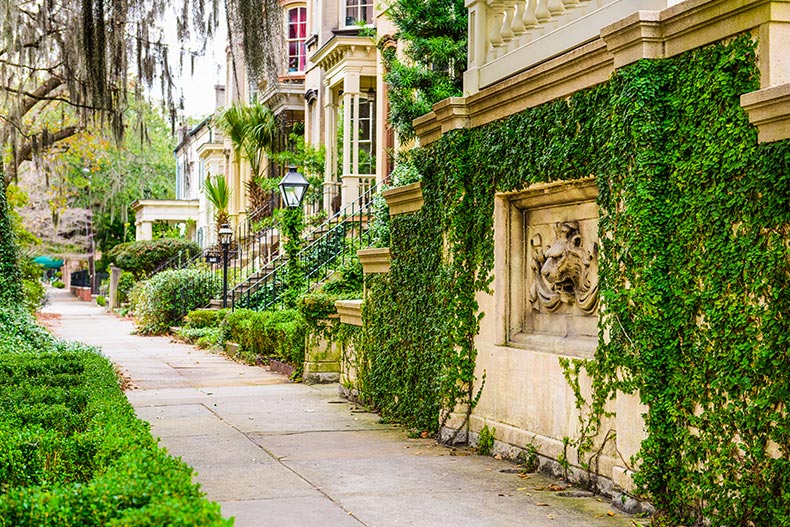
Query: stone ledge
(405, 199)
(769, 111)
(578, 69)
(350, 311)
(375, 261)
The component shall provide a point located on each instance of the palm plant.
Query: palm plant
(252, 131)
(218, 194)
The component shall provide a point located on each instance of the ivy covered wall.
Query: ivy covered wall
(694, 274)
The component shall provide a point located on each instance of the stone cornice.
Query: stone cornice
(769, 111)
(687, 26)
(350, 311)
(375, 261)
(341, 47)
(206, 149)
(284, 96)
(405, 199)
(586, 66)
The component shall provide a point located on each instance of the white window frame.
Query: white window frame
(350, 19)
(288, 40)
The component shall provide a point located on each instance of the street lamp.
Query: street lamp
(225, 237)
(293, 187)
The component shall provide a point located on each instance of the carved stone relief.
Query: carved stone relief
(551, 262)
(564, 271)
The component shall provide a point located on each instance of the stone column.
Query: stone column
(145, 231)
(774, 62)
(115, 277)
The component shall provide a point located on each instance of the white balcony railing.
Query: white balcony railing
(509, 36)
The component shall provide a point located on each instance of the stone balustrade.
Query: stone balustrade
(509, 36)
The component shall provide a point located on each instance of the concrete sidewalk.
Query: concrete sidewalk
(273, 453)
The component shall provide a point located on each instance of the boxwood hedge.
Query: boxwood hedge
(72, 452)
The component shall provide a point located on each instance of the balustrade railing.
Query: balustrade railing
(529, 32)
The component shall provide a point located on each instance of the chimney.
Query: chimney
(219, 93)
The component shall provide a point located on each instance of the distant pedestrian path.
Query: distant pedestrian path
(279, 454)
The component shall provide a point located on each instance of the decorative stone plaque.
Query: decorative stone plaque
(552, 263)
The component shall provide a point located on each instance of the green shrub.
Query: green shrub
(33, 292)
(142, 257)
(126, 283)
(279, 334)
(72, 452)
(57, 284)
(203, 318)
(101, 300)
(167, 296)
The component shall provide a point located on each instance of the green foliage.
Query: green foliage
(164, 298)
(140, 167)
(33, 292)
(262, 334)
(203, 338)
(10, 279)
(143, 257)
(485, 441)
(57, 284)
(434, 34)
(694, 272)
(205, 318)
(72, 452)
(126, 283)
(346, 280)
(252, 131)
(100, 300)
(307, 158)
(218, 194)
(292, 221)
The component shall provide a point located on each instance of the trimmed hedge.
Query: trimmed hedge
(278, 334)
(143, 257)
(72, 452)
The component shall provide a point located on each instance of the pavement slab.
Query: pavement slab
(278, 454)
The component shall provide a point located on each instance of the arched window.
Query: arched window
(297, 33)
(359, 11)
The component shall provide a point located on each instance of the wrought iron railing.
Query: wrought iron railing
(328, 246)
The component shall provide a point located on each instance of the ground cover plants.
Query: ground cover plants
(72, 452)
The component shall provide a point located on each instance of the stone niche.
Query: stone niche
(552, 267)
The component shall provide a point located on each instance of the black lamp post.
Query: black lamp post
(293, 187)
(225, 237)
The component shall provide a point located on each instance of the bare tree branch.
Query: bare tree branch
(25, 151)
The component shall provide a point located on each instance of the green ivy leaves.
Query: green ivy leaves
(694, 274)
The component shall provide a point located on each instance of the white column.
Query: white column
(330, 144)
(350, 135)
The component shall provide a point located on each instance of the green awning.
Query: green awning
(48, 262)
